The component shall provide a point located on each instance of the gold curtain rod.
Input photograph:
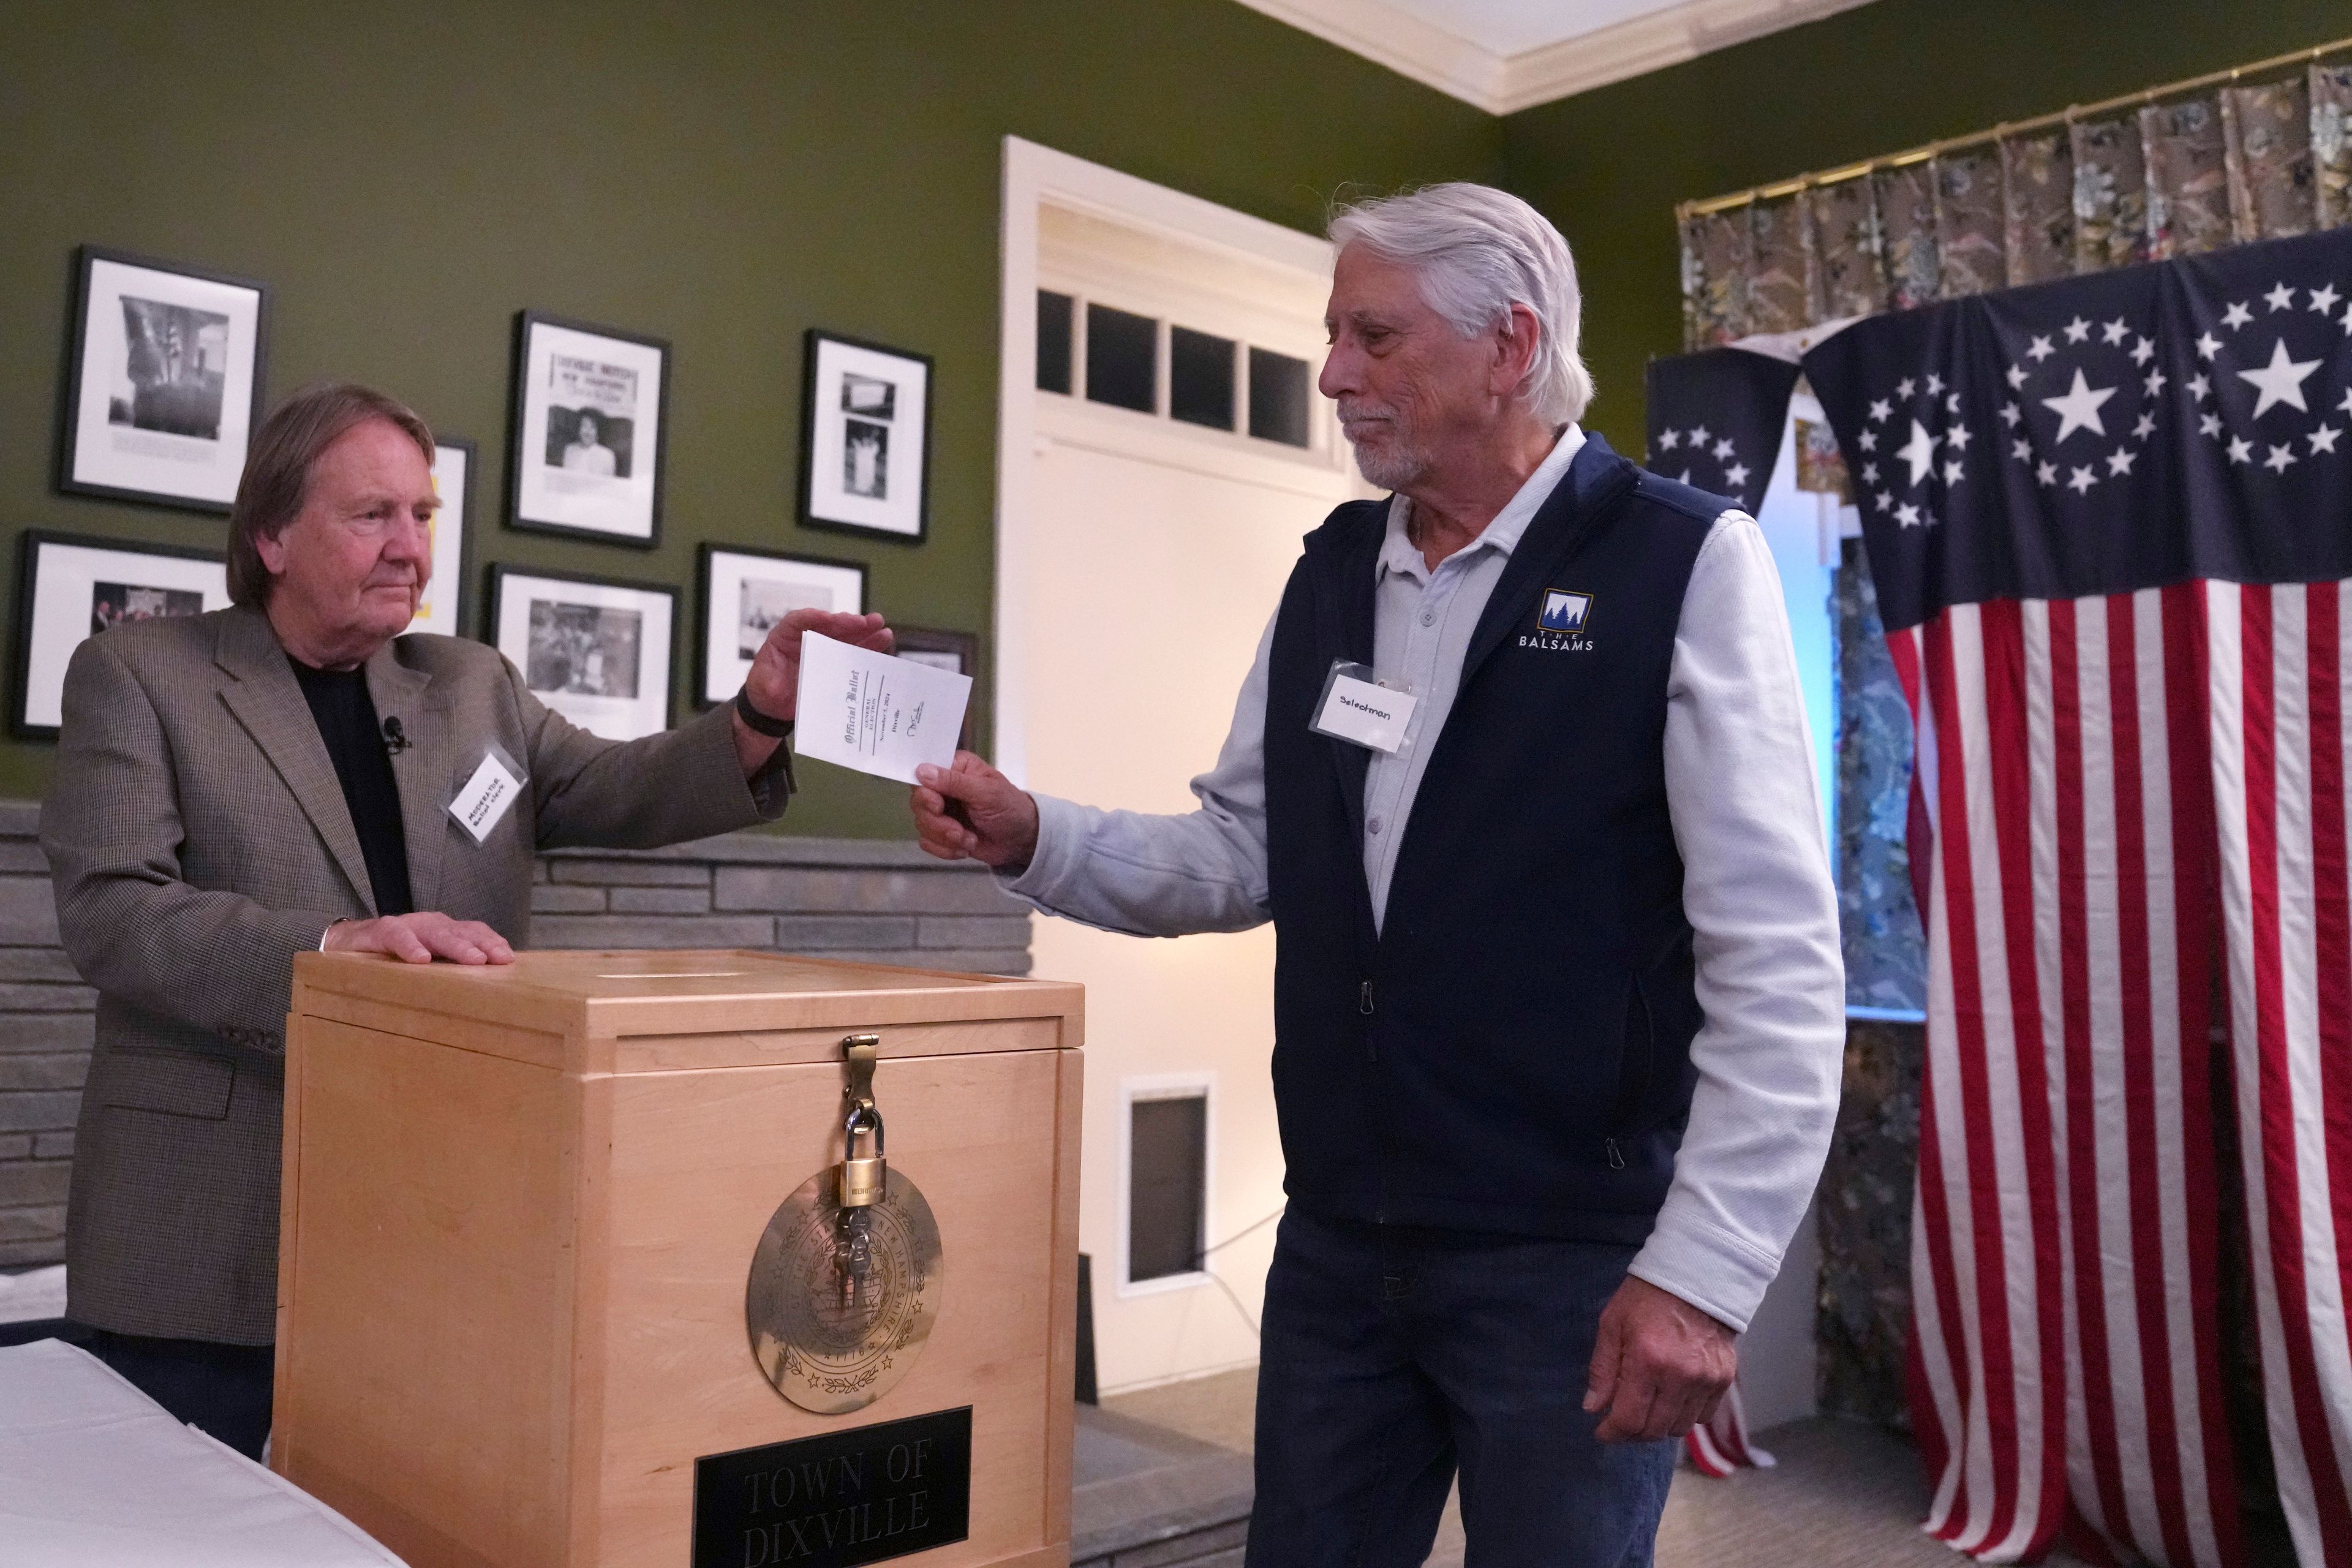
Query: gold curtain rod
(1685, 211)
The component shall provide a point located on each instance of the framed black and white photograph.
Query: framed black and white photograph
(441, 608)
(746, 592)
(163, 380)
(957, 652)
(70, 587)
(866, 427)
(594, 649)
(589, 410)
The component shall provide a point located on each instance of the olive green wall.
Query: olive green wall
(731, 173)
(725, 173)
(1608, 166)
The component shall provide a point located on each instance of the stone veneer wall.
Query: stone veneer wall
(881, 902)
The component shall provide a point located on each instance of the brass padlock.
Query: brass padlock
(862, 1177)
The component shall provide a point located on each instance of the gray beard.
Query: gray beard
(1392, 469)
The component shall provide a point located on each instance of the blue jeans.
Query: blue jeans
(1395, 1355)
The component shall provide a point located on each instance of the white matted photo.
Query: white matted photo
(69, 588)
(166, 381)
(746, 592)
(866, 425)
(440, 608)
(594, 649)
(589, 404)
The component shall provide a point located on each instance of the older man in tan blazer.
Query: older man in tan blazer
(235, 788)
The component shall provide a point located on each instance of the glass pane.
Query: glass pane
(1122, 355)
(1200, 378)
(1277, 397)
(1054, 321)
(1167, 1149)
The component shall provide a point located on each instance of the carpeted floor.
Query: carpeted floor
(1844, 1495)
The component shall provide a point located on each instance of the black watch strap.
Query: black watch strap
(774, 729)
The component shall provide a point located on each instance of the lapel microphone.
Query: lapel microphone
(395, 738)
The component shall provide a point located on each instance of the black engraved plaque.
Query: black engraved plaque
(837, 1499)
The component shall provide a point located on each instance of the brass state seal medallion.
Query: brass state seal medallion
(841, 1302)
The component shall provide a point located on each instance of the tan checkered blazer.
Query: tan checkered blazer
(198, 839)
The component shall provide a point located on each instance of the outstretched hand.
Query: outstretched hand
(774, 683)
(972, 812)
(1660, 1365)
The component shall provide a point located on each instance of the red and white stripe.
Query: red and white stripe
(2281, 660)
(1721, 1445)
(2064, 1217)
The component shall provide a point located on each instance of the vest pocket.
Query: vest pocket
(1633, 1060)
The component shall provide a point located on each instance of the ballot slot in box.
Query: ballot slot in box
(566, 1276)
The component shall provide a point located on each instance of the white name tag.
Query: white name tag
(1361, 712)
(489, 795)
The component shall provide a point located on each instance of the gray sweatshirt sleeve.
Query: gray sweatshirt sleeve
(1771, 974)
(1165, 876)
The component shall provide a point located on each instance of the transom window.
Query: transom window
(1100, 354)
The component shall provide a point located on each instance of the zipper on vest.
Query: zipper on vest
(1364, 1006)
(1616, 1158)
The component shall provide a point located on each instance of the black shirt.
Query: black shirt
(346, 716)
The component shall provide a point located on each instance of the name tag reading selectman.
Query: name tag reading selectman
(1361, 712)
(485, 797)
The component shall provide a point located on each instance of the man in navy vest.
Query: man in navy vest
(1558, 1004)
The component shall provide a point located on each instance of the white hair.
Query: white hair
(1477, 251)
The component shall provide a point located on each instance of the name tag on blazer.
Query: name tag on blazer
(486, 796)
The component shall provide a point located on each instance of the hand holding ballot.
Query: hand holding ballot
(771, 690)
(972, 812)
(774, 682)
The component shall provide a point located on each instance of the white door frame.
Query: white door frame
(1035, 176)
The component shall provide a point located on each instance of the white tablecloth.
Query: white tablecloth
(94, 1474)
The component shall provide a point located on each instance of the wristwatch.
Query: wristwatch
(774, 729)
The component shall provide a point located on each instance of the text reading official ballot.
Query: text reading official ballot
(874, 713)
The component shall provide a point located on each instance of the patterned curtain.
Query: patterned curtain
(2331, 147)
(2037, 181)
(2249, 162)
(2110, 194)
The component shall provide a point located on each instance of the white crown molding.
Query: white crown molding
(1404, 43)
(1645, 43)
(1505, 84)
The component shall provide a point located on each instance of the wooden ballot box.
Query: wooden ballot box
(528, 1210)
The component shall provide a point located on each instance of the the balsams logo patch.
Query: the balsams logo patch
(1563, 623)
(1563, 610)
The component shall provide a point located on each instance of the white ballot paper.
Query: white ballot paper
(874, 713)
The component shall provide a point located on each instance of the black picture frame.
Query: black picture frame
(520, 499)
(964, 646)
(818, 505)
(458, 624)
(706, 606)
(79, 344)
(28, 606)
(500, 573)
